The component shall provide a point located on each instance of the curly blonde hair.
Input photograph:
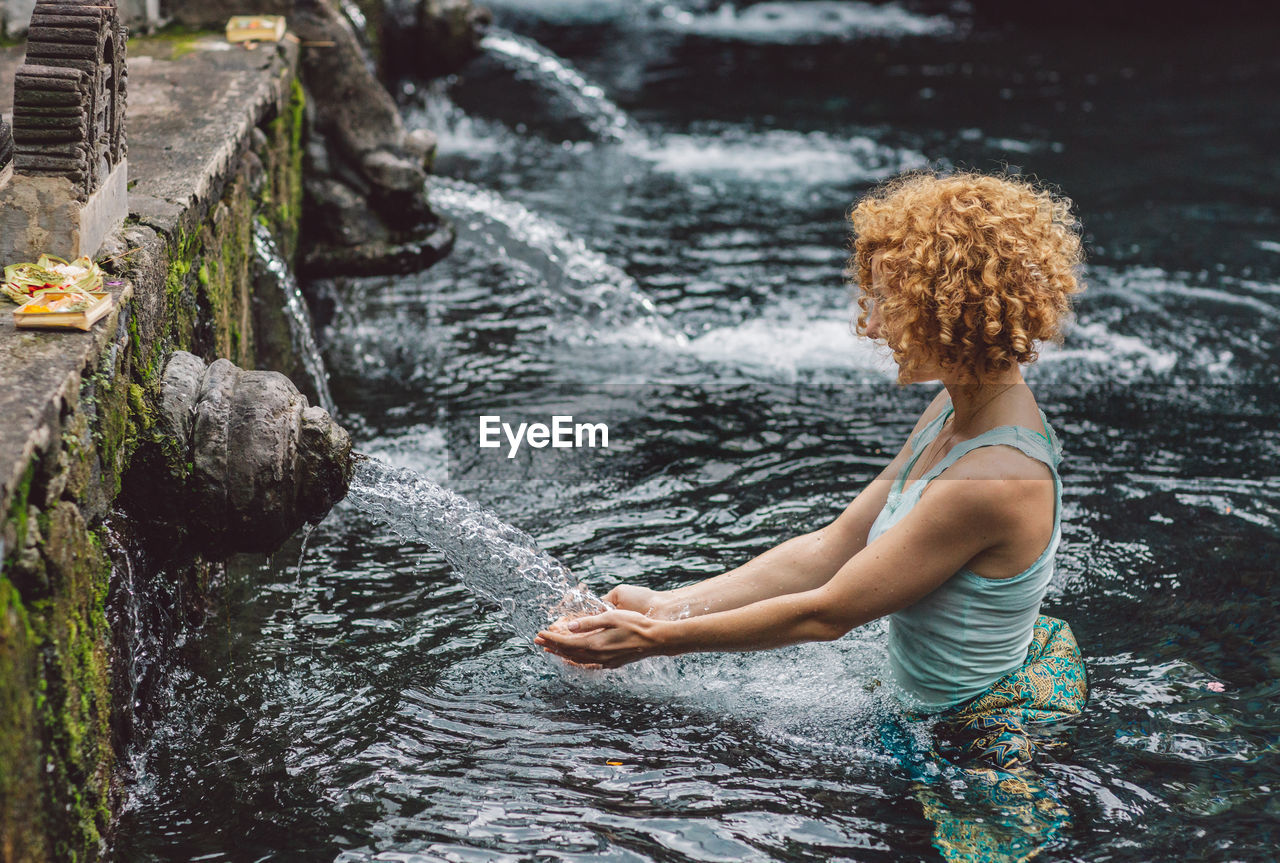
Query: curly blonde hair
(979, 269)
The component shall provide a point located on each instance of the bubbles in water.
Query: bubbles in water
(1094, 344)
(813, 158)
(785, 22)
(790, 339)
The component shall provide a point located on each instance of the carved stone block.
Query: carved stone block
(69, 94)
(40, 214)
(69, 172)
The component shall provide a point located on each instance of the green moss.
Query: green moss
(181, 305)
(55, 698)
(135, 337)
(138, 406)
(75, 713)
(225, 276)
(21, 697)
(282, 200)
(171, 43)
(108, 390)
(18, 513)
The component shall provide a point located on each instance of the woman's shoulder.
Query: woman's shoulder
(1002, 459)
(1008, 490)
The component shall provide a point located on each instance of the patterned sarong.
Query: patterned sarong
(1050, 686)
(1006, 812)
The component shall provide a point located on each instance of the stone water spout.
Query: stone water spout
(248, 460)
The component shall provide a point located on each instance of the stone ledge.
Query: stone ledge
(190, 120)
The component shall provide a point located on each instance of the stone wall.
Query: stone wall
(80, 407)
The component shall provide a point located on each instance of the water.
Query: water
(590, 287)
(531, 60)
(301, 334)
(372, 707)
(812, 21)
(494, 560)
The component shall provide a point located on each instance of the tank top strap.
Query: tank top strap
(1041, 447)
(926, 435)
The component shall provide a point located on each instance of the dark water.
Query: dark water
(358, 704)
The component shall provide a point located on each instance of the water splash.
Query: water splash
(493, 559)
(635, 12)
(457, 132)
(582, 277)
(809, 20)
(129, 619)
(301, 333)
(784, 157)
(797, 21)
(535, 63)
(149, 616)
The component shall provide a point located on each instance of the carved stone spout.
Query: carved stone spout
(250, 460)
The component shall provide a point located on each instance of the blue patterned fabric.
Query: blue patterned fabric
(1004, 811)
(1051, 685)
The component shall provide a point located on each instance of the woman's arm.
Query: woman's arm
(798, 564)
(951, 524)
(802, 563)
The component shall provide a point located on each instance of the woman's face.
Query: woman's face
(881, 288)
(875, 298)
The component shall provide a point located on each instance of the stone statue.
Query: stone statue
(242, 462)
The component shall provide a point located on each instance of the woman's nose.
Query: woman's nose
(873, 325)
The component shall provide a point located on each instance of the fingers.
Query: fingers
(557, 642)
(578, 659)
(572, 649)
(587, 624)
(560, 642)
(598, 641)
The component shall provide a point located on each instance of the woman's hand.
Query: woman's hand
(632, 597)
(606, 640)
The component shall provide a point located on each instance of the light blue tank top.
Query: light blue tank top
(971, 631)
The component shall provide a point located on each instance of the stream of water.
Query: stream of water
(650, 200)
(495, 561)
(301, 333)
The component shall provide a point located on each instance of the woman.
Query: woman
(961, 276)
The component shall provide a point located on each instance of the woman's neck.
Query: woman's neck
(977, 404)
